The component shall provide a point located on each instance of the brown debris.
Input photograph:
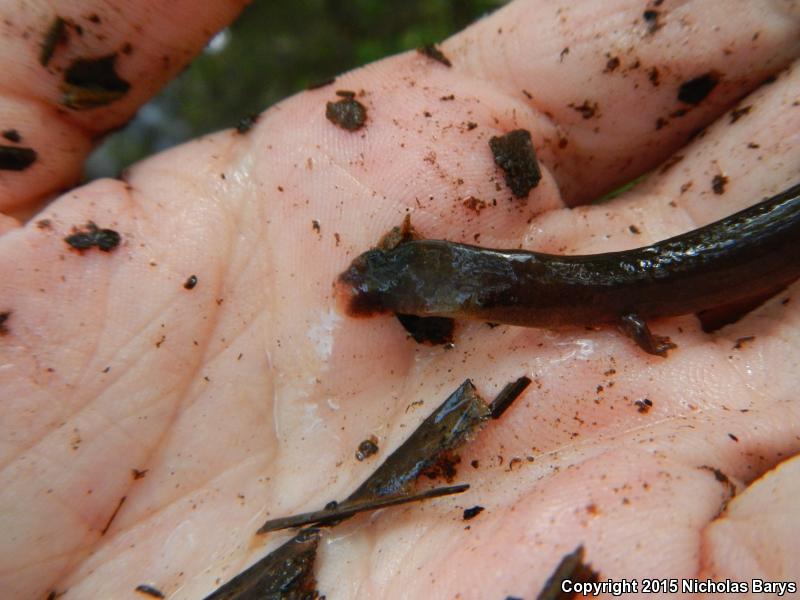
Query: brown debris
(434, 53)
(514, 153)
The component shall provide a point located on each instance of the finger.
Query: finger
(77, 70)
(757, 534)
(749, 153)
(614, 76)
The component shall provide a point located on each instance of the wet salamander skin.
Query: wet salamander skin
(748, 253)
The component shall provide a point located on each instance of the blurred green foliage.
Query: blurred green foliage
(276, 48)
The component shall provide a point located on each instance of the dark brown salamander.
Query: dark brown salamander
(744, 255)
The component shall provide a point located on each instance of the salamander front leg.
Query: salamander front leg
(635, 328)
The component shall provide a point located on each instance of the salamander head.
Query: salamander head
(361, 290)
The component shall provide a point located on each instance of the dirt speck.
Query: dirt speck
(149, 590)
(367, 448)
(738, 113)
(696, 90)
(718, 184)
(471, 513)
(652, 20)
(474, 204)
(611, 64)
(433, 52)
(12, 135)
(587, 110)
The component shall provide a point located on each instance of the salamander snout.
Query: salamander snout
(358, 291)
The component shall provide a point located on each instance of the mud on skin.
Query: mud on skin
(684, 274)
(93, 236)
(347, 113)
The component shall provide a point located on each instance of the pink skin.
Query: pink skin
(246, 397)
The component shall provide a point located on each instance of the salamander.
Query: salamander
(749, 253)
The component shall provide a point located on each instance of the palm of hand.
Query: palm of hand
(209, 409)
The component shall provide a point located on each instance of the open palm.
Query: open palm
(198, 378)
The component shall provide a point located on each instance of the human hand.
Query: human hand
(213, 408)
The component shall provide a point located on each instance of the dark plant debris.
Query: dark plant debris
(56, 34)
(433, 52)
(510, 392)
(12, 135)
(92, 236)
(435, 439)
(149, 590)
(348, 113)
(447, 428)
(336, 512)
(471, 513)
(92, 82)
(246, 123)
(571, 567)
(3, 319)
(113, 515)
(644, 406)
(286, 572)
(514, 153)
(16, 158)
(367, 448)
(696, 90)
